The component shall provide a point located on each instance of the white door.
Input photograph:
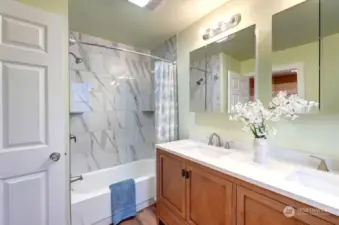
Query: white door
(238, 89)
(32, 117)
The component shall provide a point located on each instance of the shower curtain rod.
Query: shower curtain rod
(197, 68)
(126, 50)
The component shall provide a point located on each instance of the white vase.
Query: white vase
(260, 148)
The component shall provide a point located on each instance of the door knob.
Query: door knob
(55, 156)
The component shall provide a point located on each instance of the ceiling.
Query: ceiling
(121, 21)
(293, 27)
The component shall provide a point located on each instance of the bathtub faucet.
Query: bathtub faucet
(76, 178)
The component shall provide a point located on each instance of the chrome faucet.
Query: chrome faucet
(210, 140)
(76, 178)
(323, 165)
(228, 144)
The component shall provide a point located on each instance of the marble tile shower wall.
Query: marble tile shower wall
(167, 50)
(205, 95)
(213, 83)
(119, 126)
(197, 86)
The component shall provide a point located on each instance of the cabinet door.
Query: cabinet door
(167, 217)
(256, 209)
(171, 183)
(209, 198)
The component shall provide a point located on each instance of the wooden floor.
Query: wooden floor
(144, 217)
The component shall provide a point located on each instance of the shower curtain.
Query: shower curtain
(166, 102)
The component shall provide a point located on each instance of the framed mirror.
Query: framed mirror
(295, 51)
(329, 55)
(218, 72)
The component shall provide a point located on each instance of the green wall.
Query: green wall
(330, 74)
(56, 6)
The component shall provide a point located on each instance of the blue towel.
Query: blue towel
(123, 200)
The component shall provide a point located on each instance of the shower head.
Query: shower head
(72, 41)
(199, 82)
(78, 60)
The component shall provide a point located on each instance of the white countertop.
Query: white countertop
(272, 176)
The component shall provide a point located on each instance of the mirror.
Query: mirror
(218, 73)
(295, 51)
(197, 80)
(329, 77)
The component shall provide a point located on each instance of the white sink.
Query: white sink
(209, 151)
(321, 181)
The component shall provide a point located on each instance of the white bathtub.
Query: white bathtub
(91, 201)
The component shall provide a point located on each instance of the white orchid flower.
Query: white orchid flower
(255, 116)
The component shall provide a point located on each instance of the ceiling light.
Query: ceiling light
(141, 3)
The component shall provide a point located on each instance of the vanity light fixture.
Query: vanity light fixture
(227, 38)
(221, 27)
(140, 3)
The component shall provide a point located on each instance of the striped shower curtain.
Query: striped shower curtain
(166, 102)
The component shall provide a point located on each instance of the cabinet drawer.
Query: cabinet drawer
(167, 216)
(256, 209)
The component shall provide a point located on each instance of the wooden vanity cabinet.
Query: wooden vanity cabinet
(191, 194)
(208, 198)
(256, 209)
(171, 183)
